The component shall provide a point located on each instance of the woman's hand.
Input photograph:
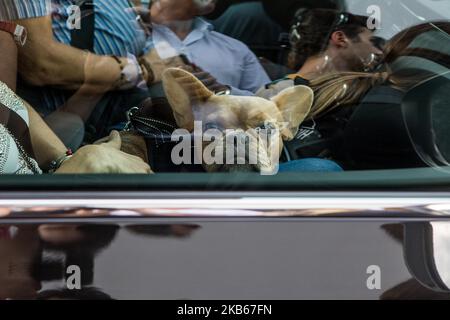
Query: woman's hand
(104, 158)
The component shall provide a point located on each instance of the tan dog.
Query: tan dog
(192, 101)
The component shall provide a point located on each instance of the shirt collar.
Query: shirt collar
(199, 28)
(202, 25)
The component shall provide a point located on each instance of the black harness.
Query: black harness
(83, 38)
(154, 121)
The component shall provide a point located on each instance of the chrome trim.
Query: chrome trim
(132, 205)
(234, 203)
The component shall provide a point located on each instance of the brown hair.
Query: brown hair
(348, 88)
(312, 29)
(399, 45)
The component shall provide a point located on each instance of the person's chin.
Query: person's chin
(207, 9)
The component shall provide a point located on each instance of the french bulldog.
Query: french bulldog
(223, 115)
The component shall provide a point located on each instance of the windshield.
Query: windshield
(208, 94)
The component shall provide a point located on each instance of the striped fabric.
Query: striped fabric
(23, 9)
(116, 31)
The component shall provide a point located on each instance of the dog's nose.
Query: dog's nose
(241, 161)
(239, 168)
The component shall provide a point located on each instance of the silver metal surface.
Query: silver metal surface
(210, 205)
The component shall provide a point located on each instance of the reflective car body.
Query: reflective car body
(224, 244)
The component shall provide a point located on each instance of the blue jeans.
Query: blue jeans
(310, 165)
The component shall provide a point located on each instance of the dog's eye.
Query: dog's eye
(267, 127)
(212, 125)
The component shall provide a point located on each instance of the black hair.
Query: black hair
(312, 29)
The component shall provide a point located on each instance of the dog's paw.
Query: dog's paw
(134, 144)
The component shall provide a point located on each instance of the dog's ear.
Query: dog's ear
(183, 90)
(294, 104)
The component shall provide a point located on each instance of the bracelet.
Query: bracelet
(122, 80)
(131, 74)
(56, 164)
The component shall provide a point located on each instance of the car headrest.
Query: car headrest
(391, 129)
(221, 7)
(426, 114)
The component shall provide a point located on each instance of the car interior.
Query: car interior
(388, 135)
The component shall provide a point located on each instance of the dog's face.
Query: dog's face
(260, 124)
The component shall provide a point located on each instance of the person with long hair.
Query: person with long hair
(348, 88)
(325, 41)
(341, 91)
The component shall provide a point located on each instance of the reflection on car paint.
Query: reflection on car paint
(35, 262)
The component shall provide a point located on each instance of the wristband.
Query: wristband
(56, 164)
(131, 74)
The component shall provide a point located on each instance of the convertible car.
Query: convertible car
(378, 230)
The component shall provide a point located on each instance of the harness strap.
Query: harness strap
(83, 38)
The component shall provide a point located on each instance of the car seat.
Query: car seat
(391, 129)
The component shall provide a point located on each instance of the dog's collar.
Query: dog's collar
(150, 128)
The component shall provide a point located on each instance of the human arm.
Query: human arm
(8, 63)
(153, 65)
(101, 158)
(215, 86)
(106, 157)
(251, 75)
(46, 145)
(44, 61)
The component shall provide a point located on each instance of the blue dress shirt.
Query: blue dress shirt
(228, 60)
